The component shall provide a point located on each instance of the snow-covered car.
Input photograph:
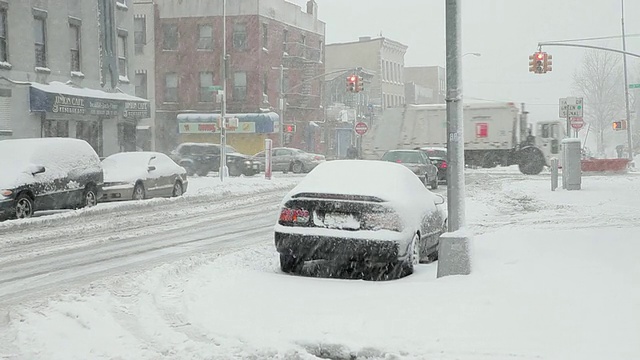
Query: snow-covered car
(47, 174)
(290, 159)
(382, 227)
(142, 175)
(418, 162)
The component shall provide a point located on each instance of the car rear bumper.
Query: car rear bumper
(116, 193)
(339, 249)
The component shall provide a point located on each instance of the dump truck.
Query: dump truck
(495, 134)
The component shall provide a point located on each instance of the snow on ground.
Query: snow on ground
(555, 276)
(204, 188)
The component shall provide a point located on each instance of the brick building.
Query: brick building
(262, 36)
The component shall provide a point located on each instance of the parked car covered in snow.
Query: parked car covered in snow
(418, 162)
(142, 175)
(383, 227)
(289, 159)
(47, 174)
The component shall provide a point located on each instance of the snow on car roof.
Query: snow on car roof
(385, 180)
(133, 166)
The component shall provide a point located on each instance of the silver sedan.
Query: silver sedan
(142, 175)
(289, 159)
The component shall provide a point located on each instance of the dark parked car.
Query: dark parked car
(438, 156)
(290, 159)
(201, 158)
(142, 175)
(372, 216)
(47, 174)
(418, 162)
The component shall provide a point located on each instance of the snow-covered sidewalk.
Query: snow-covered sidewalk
(555, 276)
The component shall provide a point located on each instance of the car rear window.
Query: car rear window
(403, 157)
(436, 153)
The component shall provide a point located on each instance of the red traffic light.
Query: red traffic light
(540, 56)
(289, 128)
(352, 79)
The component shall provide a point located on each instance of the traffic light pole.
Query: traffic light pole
(626, 88)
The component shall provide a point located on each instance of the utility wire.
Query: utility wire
(592, 38)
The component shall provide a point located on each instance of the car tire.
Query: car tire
(23, 208)
(434, 184)
(177, 189)
(297, 167)
(138, 192)
(89, 197)
(291, 264)
(234, 170)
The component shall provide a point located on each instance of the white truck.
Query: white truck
(494, 134)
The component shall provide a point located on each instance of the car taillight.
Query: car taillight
(318, 158)
(299, 216)
(399, 161)
(443, 165)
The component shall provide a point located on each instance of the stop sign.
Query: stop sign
(361, 128)
(576, 122)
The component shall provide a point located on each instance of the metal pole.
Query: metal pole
(626, 88)
(455, 125)
(282, 101)
(223, 110)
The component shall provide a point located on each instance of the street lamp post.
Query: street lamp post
(223, 110)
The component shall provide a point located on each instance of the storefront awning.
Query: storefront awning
(60, 98)
(256, 123)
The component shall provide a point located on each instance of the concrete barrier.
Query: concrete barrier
(454, 254)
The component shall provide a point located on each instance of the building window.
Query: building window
(141, 85)
(171, 87)
(139, 34)
(240, 36)
(4, 51)
(205, 39)
(206, 82)
(74, 40)
(56, 128)
(122, 55)
(265, 35)
(239, 86)
(170, 37)
(285, 39)
(303, 39)
(40, 26)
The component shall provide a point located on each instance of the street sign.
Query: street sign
(571, 107)
(576, 122)
(634, 86)
(361, 128)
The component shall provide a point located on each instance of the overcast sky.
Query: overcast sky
(505, 32)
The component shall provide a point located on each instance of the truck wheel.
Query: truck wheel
(531, 161)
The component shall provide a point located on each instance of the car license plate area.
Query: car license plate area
(337, 220)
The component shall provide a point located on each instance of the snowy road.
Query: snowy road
(52, 255)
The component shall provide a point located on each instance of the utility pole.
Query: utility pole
(282, 104)
(223, 110)
(455, 125)
(626, 88)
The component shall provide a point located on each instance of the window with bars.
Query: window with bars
(141, 85)
(74, 40)
(240, 36)
(170, 37)
(122, 55)
(171, 87)
(4, 51)
(206, 81)
(40, 36)
(239, 86)
(205, 37)
(139, 34)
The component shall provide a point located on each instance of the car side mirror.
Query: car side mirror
(38, 169)
(151, 168)
(441, 200)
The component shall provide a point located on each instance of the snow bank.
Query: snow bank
(555, 277)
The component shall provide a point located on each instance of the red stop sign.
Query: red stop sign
(361, 128)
